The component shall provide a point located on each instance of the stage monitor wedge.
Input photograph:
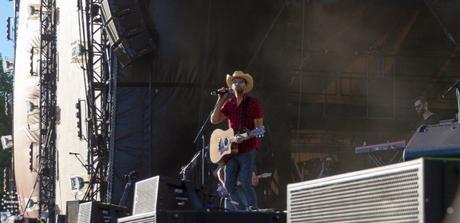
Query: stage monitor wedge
(129, 28)
(162, 193)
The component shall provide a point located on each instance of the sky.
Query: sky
(6, 10)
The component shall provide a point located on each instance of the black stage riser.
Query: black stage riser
(221, 217)
(210, 217)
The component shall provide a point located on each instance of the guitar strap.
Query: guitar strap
(244, 115)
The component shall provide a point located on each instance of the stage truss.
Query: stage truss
(47, 140)
(98, 83)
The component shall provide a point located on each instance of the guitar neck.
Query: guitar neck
(243, 136)
(257, 132)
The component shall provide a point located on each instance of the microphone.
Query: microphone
(71, 153)
(222, 91)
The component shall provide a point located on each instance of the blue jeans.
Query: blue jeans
(240, 168)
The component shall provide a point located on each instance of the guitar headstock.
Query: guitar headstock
(258, 132)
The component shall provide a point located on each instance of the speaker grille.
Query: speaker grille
(385, 194)
(84, 212)
(146, 195)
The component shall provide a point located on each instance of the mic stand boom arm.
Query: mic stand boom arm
(78, 158)
(201, 152)
(202, 127)
(183, 171)
(456, 85)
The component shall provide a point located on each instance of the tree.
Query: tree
(6, 90)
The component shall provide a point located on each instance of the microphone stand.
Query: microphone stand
(192, 162)
(203, 146)
(78, 158)
(456, 85)
(201, 152)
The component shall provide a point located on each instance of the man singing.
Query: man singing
(243, 113)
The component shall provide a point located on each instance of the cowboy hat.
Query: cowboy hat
(240, 74)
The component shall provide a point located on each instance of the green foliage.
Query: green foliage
(6, 88)
(6, 80)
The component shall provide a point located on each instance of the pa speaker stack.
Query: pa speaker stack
(130, 28)
(421, 190)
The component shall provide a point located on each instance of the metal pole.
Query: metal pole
(202, 159)
(457, 92)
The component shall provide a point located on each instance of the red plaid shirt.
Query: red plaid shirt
(234, 115)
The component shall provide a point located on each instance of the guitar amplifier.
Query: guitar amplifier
(442, 140)
(422, 190)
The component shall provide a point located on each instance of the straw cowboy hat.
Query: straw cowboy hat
(240, 74)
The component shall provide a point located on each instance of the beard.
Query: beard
(239, 90)
(421, 111)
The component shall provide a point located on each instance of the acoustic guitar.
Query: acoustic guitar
(220, 145)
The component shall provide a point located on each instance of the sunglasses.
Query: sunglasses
(238, 81)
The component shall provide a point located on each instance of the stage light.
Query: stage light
(7, 141)
(76, 183)
(78, 116)
(8, 28)
(30, 106)
(32, 50)
(31, 157)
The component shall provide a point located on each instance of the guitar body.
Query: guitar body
(220, 145)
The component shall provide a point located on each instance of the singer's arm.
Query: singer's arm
(217, 116)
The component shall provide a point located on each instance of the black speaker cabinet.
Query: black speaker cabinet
(95, 212)
(442, 140)
(130, 30)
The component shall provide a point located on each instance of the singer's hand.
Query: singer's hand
(224, 96)
(239, 139)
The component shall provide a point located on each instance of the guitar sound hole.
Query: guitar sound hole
(221, 144)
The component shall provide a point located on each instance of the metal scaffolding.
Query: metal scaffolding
(47, 142)
(98, 82)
